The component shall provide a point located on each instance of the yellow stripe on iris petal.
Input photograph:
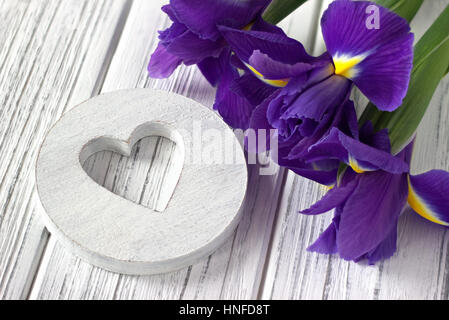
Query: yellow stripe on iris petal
(355, 166)
(275, 83)
(249, 26)
(420, 207)
(346, 66)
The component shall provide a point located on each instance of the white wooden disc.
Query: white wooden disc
(117, 234)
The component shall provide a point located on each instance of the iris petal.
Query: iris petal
(272, 69)
(259, 121)
(357, 167)
(370, 214)
(334, 198)
(379, 61)
(345, 119)
(326, 243)
(361, 157)
(278, 83)
(385, 249)
(212, 69)
(252, 89)
(314, 102)
(277, 46)
(203, 16)
(429, 195)
(162, 63)
(192, 49)
(234, 109)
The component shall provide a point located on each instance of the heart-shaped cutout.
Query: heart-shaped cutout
(143, 177)
(145, 171)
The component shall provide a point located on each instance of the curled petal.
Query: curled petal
(361, 157)
(192, 49)
(429, 195)
(335, 197)
(203, 16)
(273, 70)
(377, 57)
(323, 172)
(274, 111)
(314, 102)
(277, 46)
(162, 63)
(345, 119)
(170, 34)
(169, 11)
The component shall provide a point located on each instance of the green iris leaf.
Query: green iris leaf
(430, 64)
(279, 9)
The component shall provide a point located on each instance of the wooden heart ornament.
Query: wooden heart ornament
(198, 213)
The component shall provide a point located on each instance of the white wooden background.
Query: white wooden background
(55, 54)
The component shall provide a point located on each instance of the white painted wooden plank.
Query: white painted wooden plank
(417, 271)
(52, 54)
(235, 270)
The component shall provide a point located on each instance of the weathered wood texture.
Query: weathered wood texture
(52, 54)
(235, 271)
(56, 54)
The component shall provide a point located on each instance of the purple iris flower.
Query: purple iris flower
(371, 195)
(194, 38)
(312, 92)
